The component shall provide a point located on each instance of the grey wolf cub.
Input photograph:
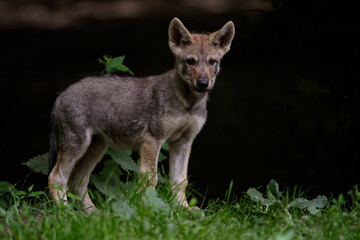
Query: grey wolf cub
(137, 113)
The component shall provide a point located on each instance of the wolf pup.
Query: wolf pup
(137, 113)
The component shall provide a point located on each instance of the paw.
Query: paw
(90, 210)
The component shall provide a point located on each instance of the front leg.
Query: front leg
(149, 153)
(179, 159)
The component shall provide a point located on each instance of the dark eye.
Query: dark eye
(212, 61)
(190, 61)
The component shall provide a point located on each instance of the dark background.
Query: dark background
(285, 106)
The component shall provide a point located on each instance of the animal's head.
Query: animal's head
(198, 56)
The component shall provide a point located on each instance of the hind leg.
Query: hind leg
(80, 175)
(72, 147)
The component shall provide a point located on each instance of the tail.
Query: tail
(54, 136)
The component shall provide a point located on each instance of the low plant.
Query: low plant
(113, 65)
(275, 198)
(152, 215)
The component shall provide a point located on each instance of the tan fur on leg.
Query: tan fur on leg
(59, 177)
(179, 159)
(149, 152)
(80, 175)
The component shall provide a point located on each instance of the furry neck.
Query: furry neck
(189, 97)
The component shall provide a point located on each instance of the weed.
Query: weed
(153, 215)
(113, 65)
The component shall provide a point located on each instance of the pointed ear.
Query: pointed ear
(223, 37)
(179, 36)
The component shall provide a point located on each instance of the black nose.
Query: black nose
(202, 84)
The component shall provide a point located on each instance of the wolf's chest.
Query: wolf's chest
(184, 125)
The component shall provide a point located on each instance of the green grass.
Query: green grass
(153, 215)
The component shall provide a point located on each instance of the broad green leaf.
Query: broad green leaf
(127, 186)
(258, 197)
(319, 201)
(2, 212)
(273, 190)
(31, 188)
(22, 193)
(165, 146)
(123, 210)
(126, 69)
(73, 196)
(5, 186)
(36, 194)
(162, 157)
(113, 65)
(197, 214)
(109, 188)
(117, 60)
(120, 67)
(39, 164)
(123, 158)
(193, 201)
(116, 64)
(313, 210)
(255, 195)
(299, 203)
(107, 180)
(313, 206)
(151, 200)
(267, 202)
